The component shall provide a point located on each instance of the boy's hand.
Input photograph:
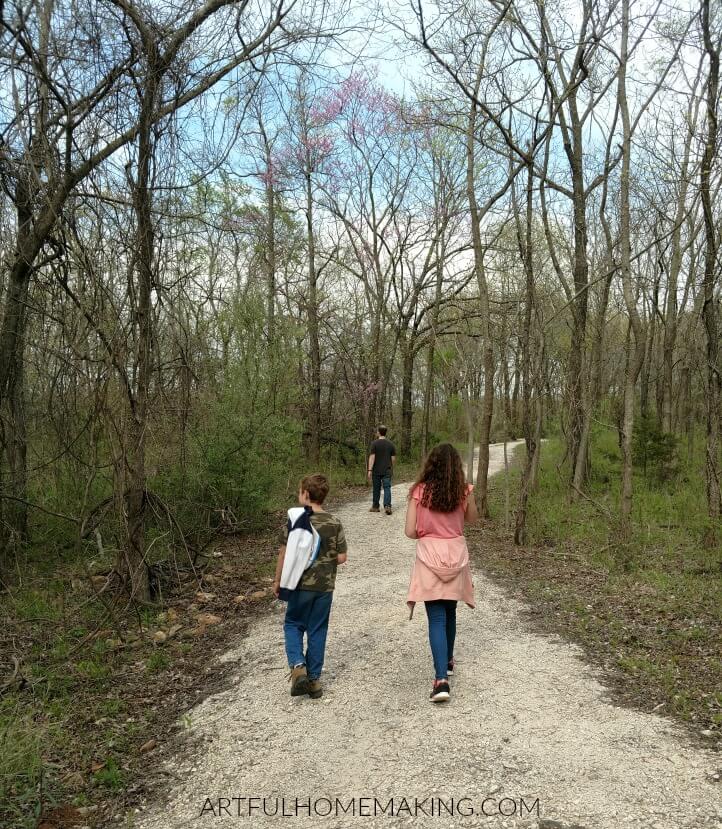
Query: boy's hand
(276, 587)
(341, 558)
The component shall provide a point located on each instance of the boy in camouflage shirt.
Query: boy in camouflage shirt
(309, 605)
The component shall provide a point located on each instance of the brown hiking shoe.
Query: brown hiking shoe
(387, 510)
(299, 681)
(314, 688)
(374, 509)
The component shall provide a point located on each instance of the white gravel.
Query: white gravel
(527, 721)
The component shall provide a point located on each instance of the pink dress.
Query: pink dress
(441, 567)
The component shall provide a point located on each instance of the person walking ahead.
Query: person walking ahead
(382, 457)
(439, 503)
(309, 604)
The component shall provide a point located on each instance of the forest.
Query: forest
(238, 235)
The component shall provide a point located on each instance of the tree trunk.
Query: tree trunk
(538, 424)
(709, 310)
(314, 446)
(577, 367)
(469, 411)
(637, 349)
(487, 411)
(675, 266)
(525, 250)
(16, 443)
(270, 261)
(428, 391)
(133, 565)
(407, 378)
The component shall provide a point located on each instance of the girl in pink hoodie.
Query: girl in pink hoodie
(440, 503)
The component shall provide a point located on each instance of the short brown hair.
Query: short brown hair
(317, 487)
(383, 429)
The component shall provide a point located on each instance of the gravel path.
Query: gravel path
(528, 736)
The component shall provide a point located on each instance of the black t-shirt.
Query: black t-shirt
(384, 450)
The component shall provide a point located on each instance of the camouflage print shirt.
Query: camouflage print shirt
(321, 575)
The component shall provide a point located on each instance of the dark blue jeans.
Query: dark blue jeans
(307, 612)
(377, 480)
(442, 633)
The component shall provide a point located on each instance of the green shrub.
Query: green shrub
(653, 449)
(236, 463)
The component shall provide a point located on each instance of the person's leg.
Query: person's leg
(436, 613)
(295, 625)
(317, 631)
(387, 489)
(450, 627)
(376, 496)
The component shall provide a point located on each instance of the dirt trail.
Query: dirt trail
(527, 721)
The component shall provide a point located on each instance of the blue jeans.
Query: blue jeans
(442, 633)
(307, 612)
(377, 480)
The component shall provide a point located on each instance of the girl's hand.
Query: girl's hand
(410, 524)
(341, 558)
(471, 514)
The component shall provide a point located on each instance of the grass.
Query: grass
(647, 606)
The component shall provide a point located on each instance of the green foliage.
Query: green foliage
(668, 522)
(157, 661)
(653, 449)
(21, 765)
(92, 670)
(32, 604)
(110, 775)
(454, 406)
(235, 466)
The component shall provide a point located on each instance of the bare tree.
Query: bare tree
(712, 43)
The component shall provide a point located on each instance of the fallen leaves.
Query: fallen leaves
(63, 816)
(255, 596)
(60, 817)
(206, 619)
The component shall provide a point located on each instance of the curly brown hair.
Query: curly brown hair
(444, 480)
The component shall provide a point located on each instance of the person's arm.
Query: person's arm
(471, 514)
(341, 546)
(370, 464)
(410, 528)
(279, 570)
